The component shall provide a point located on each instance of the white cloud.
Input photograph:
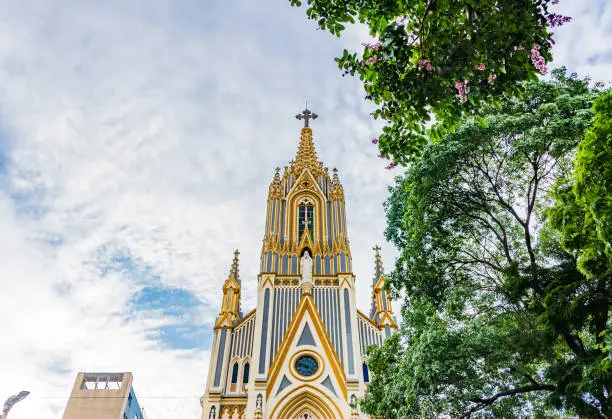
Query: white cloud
(150, 130)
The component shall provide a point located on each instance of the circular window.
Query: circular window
(306, 365)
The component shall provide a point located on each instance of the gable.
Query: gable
(306, 339)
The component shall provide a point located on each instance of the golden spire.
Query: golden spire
(306, 157)
(336, 191)
(234, 271)
(276, 187)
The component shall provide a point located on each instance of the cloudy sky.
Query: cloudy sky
(137, 143)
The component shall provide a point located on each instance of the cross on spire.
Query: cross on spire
(377, 249)
(306, 115)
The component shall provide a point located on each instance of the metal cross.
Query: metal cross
(306, 223)
(376, 249)
(306, 115)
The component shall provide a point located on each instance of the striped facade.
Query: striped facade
(302, 351)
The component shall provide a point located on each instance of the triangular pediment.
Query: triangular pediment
(306, 336)
(380, 283)
(306, 241)
(306, 182)
(231, 283)
(387, 320)
(224, 320)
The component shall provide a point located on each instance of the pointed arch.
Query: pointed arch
(306, 397)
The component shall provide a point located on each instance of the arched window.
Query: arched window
(305, 218)
(366, 374)
(235, 373)
(213, 413)
(245, 373)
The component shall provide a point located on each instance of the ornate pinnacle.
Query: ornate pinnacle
(276, 187)
(378, 265)
(234, 270)
(306, 155)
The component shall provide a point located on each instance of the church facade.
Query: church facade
(300, 354)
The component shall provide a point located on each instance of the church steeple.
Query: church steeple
(306, 210)
(306, 157)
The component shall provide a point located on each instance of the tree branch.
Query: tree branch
(484, 402)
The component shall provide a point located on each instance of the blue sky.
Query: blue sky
(137, 142)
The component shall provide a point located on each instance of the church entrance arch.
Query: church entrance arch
(306, 400)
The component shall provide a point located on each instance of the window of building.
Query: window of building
(235, 373)
(306, 218)
(366, 374)
(245, 373)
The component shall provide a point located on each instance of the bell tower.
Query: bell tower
(306, 210)
(301, 352)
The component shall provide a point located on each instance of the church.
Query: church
(300, 354)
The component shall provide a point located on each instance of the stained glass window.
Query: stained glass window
(306, 218)
(306, 365)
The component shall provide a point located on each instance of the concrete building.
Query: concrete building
(300, 354)
(103, 396)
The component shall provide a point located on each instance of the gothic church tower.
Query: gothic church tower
(300, 354)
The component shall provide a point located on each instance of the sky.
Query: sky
(137, 143)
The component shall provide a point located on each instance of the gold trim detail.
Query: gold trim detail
(313, 354)
(306, 305)
(306, 396)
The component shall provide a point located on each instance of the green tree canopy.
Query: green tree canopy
(440, 57)
(497, 319)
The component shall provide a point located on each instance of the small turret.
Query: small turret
(381, 311)
(230, 311)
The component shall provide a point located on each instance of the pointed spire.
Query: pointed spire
(235, 271)
(378, 265)
(336, 179)
(378, 272)
(337, 191)
(306, 155)
(276, 187)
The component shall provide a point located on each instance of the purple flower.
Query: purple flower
(374, 140)
(425, 64)
(370, 46)
(462, 90)
(557, 20)
(391, 165)
(537, 59)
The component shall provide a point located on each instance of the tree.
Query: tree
(440, 57)
(581, 222)
(494, 316)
